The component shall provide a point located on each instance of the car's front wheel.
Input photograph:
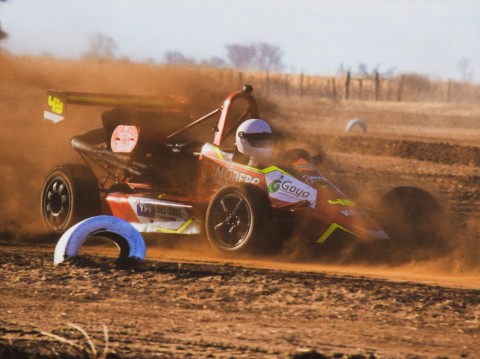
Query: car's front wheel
(239, 219)
(414, 220)
(70, 194)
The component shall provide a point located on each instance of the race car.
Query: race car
(153, 166)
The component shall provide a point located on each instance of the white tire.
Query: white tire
(128, 239)
(356, 122)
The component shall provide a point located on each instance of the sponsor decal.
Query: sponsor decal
(168, 211)
(231, 175)
(146, 209)
(289, 189)
(311, 179)
(151, 210)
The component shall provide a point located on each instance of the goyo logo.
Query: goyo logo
(288, 187)
(275, 185)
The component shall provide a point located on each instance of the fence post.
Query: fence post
(267, 83)
(346, 89)
(377, 86)
(400, 89)
(389, 93)
(301, 84)
(334, 89)
(286, 85)
(449, 90)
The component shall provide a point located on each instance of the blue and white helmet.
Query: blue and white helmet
(254, 138)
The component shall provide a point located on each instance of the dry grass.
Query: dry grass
(89, 347)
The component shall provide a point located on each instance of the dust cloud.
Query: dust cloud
(30, 147)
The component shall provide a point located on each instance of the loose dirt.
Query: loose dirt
(179, 308)
(185, 301)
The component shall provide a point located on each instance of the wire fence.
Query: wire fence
(408, 88)
(151, 78)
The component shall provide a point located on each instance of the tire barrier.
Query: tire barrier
(356, 122)
(129, 240)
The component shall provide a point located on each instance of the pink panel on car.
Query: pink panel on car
(124, 138)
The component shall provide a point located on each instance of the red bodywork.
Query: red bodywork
(298, 191)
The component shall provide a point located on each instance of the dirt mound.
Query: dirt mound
(426, 150)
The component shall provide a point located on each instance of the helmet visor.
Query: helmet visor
(258, 140)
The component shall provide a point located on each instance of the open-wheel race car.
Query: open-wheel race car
(154, 167)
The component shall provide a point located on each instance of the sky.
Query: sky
(428, 37)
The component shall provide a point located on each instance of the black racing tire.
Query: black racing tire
(239, 220)
(413, 218)
(70, 194)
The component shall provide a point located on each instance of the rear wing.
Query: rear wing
(56, 102)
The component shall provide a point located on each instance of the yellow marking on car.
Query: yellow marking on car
(219, 153)
(330, 230)
(341, 201)
(56, 104)
(179, 230)
(113, 100)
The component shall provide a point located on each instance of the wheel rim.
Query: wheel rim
(56, 202)
(231, 221)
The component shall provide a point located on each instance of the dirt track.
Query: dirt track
(181, 309)
(187, 302)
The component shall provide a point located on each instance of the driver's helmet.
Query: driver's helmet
(254, 138)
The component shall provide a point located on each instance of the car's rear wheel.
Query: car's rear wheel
(70, 194)
(239, 219)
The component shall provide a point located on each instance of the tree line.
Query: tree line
(262, 56)
(259, 56)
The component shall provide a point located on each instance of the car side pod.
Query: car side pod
(128, 239)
